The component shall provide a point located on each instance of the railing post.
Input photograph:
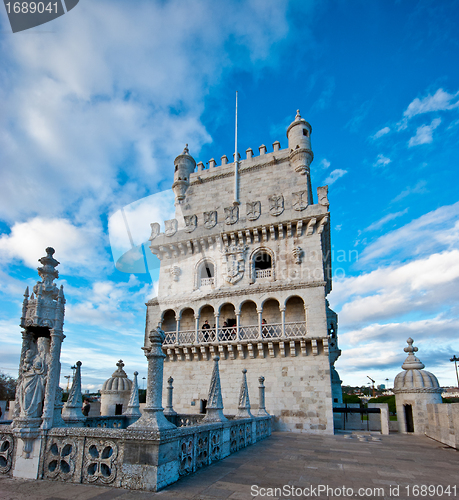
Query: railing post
(283, 321)
(238, 321)
(305, 320)
(260, 319)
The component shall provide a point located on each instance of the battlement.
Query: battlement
(262, 157)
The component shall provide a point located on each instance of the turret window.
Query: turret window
(207, 274)
(305, 132)
(263, 265)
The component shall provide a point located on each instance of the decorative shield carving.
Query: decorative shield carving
(232, 214)
(235, 263)
(171, 227)
(191, 221)
(322, 194)
(253, 210)
(155, 230)
(276, 204)
(210, 219)
(175, 272)
(299, 203)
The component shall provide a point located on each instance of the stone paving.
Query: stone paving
(302, 461)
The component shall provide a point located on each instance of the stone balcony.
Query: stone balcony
(263, 340)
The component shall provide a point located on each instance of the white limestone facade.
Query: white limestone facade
(245, 271)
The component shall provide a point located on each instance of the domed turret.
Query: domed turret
(299, 143)
(184, 166)
(414, 388)
(115, 392)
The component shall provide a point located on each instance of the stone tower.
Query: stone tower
(248, 281)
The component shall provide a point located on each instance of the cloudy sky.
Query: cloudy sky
(95, 106)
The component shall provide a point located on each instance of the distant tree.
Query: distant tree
(390, 400)
(351, 399)
(7, 387)
(450, 400)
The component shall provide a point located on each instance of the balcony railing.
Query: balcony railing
(207, 281)
(263, 273)
(237, 334)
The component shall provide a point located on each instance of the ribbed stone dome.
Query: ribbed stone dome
(414, 378)
(119, 381)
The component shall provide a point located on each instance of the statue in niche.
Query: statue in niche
(276, 204)
(253, 210)
(32, 387)
(155, 230)
(210, 219)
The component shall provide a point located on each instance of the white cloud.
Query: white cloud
(380, 133)
(418, 188)
(387, 218)
(324, 164)
(101, 97)
(433, 232)
(335, 175)
(424, 134)
(440, 101)
(80, 249)
(381, 161)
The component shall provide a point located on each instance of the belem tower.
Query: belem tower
(245, 273)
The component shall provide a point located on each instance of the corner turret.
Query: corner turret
(184, 166)
(299, 143)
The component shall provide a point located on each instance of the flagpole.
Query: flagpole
(236, 164)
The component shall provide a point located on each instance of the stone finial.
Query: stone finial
(276, 146)
(411, 362)
(169, 408)
(48, 273)
(214, 399)
(298, 116)
(133, 409)
(71, 412)
(186, 151)
(249, 153)
(261, 396)
(200, 166)
(212, 163)
(262, 149)
(224, 160)
(244, 400)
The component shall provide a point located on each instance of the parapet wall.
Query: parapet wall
(443, 423)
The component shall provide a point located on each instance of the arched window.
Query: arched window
(207, 274)
(263, 265)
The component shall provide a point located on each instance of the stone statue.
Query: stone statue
(32, 388)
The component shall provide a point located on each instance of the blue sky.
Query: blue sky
(96, 105)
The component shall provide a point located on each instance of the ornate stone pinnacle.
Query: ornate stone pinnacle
(120, 364)
(298, 116)
(411, 362)
(214, 399)
(244, 400)
(48, 273)
(186, 151)
(71, 412)
(133, 409)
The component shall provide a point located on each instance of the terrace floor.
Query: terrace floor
(302, 461)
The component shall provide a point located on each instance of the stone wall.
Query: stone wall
(419, 402)
(125, 458)
(298, 389)
(443, 423)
